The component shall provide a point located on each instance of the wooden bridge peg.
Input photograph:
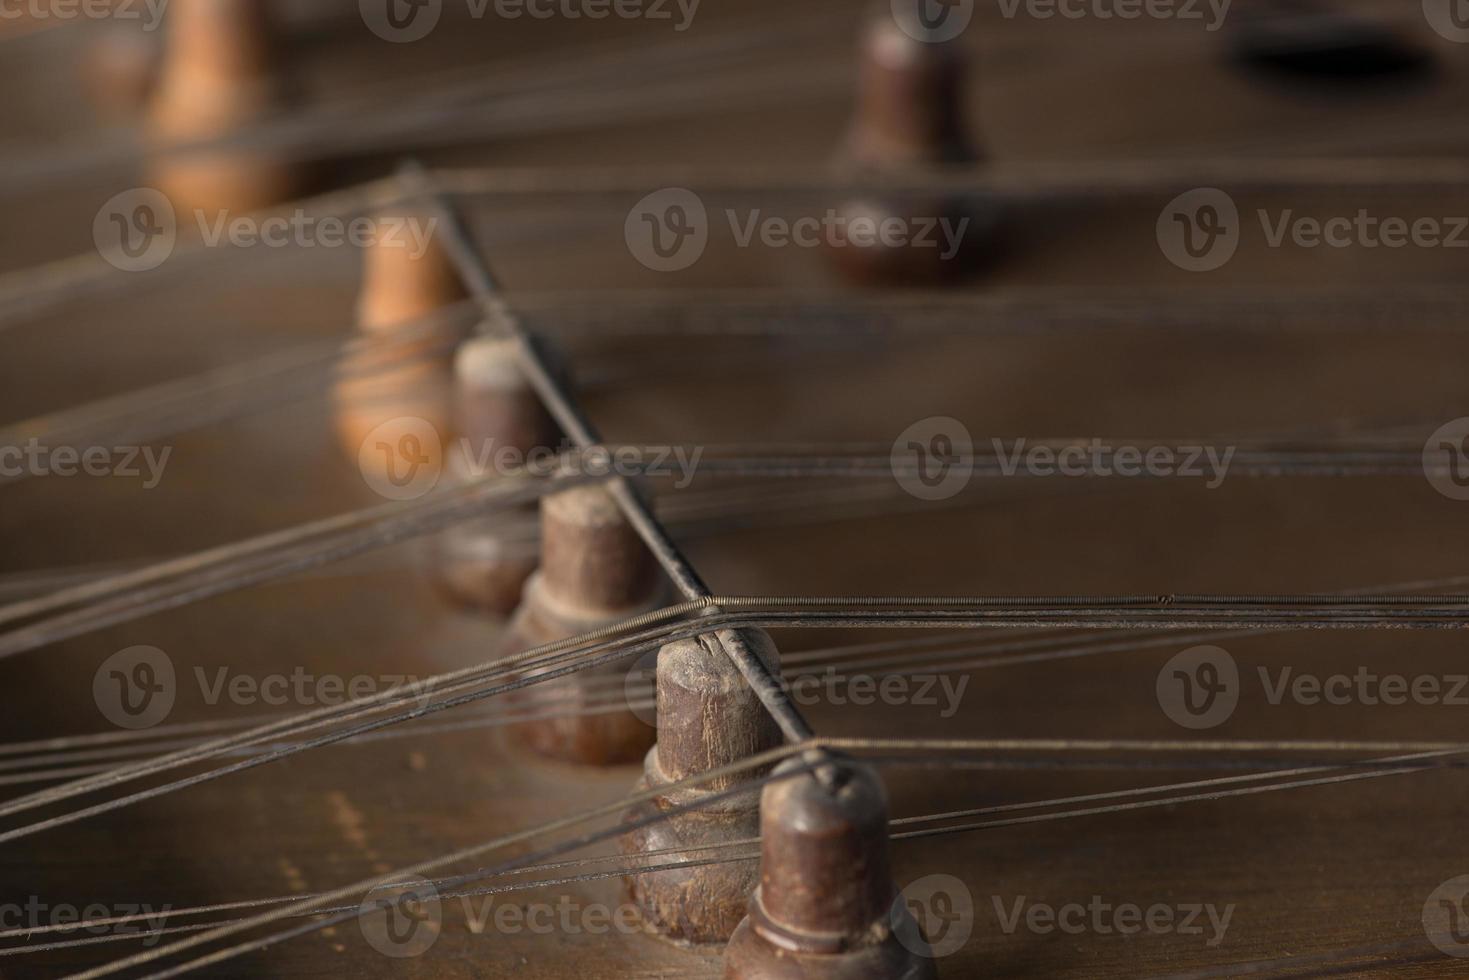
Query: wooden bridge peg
(708, 717)
(484, 565)
(219, 75)
(910, 114)
(826, 906)
(594, 571)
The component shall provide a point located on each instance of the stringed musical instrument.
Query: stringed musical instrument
(674, 490)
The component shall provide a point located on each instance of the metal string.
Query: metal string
(229, 393)
(520, 98)
(1394, 766)
(316, 902)
(1314, 612)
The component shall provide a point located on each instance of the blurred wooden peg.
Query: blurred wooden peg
(219, 76)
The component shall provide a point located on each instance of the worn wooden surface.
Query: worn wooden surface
(1308, 871)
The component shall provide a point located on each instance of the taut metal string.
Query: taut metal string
(668, 78)
(1154, 612)
(227, 393)
(755, 762)
(259, 384)
(633, 864)
(1009, 310)
(27, 292)
(1031, 178)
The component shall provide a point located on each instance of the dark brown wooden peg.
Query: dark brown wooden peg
(826, 906)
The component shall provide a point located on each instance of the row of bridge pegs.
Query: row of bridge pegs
(219, 70)
(910, 114)
(219, 73)
(820, 903)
